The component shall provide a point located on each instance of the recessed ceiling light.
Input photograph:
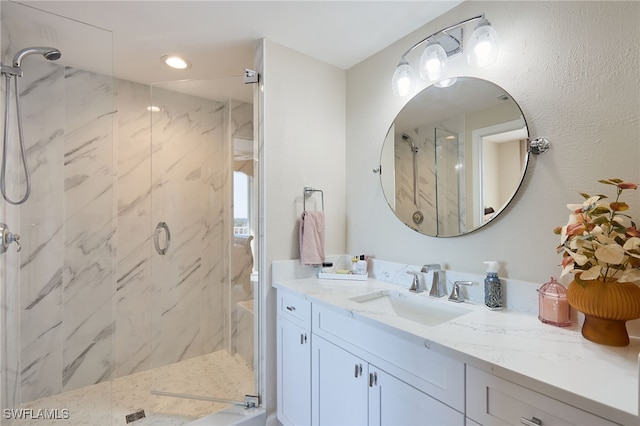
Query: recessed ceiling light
(176, 62)
(153, 108)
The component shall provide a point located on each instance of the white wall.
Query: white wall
(304, 145)
(574, 69)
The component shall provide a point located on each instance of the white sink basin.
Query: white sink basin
(415, 307)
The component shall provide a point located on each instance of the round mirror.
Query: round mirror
(454, 157)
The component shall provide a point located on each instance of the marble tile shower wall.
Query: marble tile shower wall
(90, 308)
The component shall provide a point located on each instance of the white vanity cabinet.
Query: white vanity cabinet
(341, 362)
(494, 401)
(363, 375)
(347, 390)
(294, 359)
(339, 386)
(394, 402)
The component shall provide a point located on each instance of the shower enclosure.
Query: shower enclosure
(131, 295)
(428, 190)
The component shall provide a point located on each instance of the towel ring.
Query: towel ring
(308, 191)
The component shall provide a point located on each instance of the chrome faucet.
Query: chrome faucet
(438, 285)
(416, 284)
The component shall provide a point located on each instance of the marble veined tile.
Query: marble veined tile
(42, 89)
(133, 298)
(88, 323)
(241, 119)
(88, 98)
(133, 148)
(40, 363)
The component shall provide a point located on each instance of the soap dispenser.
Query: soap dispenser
(492, 287)
(361, 266)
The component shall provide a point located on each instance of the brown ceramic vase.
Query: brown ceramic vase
(606, 308)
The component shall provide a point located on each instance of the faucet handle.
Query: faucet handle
(456, 295)
(415, 284)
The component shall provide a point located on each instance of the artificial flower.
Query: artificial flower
(599, 241)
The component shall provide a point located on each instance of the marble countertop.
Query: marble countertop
(516, 346)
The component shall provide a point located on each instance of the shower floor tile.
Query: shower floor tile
(219, 375)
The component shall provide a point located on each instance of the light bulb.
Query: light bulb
(403, 81)
(176, 62)
(433, 62)
(483, 46)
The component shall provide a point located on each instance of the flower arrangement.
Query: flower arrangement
(600, 242)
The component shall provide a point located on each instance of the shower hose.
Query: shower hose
(3, 170)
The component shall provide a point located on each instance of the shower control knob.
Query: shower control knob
(8, 237)
(13, 238)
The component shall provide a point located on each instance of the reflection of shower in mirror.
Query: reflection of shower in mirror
(418, 216)
(449, 190)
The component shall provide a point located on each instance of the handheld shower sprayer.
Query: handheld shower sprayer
(49, 53)
(409, 139)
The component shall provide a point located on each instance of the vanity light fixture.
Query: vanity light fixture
(481, 51)
(176, 62)
(433, 62)
(483, 46)
(404, 79)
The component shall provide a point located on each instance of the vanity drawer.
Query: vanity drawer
(295, 308)
(495, 401)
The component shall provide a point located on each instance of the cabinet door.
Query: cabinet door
(494, 401)
(294, 373)
(394, 402)
(339, 386)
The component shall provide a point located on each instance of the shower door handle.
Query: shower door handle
(161, 226)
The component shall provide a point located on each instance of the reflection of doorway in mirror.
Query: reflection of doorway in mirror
(499, 157)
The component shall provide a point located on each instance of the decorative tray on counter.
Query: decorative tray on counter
(334, 276)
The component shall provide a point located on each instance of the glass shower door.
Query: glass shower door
(202, 296)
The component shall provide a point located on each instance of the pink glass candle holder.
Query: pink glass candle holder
(553, 306)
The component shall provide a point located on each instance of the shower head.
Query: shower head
(409, 139)
(49, 53)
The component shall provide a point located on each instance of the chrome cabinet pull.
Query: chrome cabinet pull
(533, 422)
(303, 338)
(7, 237)
(291, 308)
(161, 226)
(373, 379)
(358, 371)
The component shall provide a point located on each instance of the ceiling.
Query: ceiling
(218, 37)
